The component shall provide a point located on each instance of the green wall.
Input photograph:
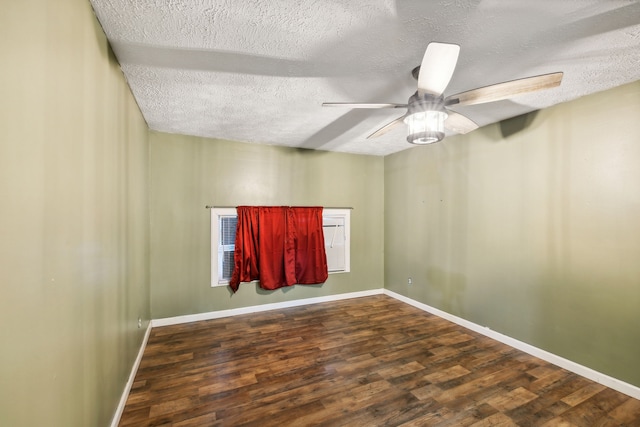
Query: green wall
(74, 218)
(189, 173)
(535, 235)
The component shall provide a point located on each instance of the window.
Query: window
(335, 224)
(336, 229)
(223, 239)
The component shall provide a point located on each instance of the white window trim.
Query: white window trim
(346, 214)
(216, 213)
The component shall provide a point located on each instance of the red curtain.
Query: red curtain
(279, 246)
(245, 257)
(308, 245)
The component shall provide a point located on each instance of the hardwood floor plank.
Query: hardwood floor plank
(199, 421)
(583, 394)
(169, 407)
(558, 422)
(228, 383)
(397, 371)
(448, 374)
(498, 419)
(436, 418)
(511, 400)
(369, 361)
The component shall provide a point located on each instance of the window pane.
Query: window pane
(228, 230)
(227, 265)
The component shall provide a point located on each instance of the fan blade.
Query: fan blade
(362, 105)
(505, 90)
(437, 67)
(459, 123)
(386, 128)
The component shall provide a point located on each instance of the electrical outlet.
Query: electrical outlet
(139, 322)
(409, 281)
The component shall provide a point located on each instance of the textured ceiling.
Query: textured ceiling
(258, 71)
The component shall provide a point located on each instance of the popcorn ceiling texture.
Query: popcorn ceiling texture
(258, 71)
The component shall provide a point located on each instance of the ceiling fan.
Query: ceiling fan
(428, 111)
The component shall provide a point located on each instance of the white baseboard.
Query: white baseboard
(569, 365)
(134, 370)
(257, 308)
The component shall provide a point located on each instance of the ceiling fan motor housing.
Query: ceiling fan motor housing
(425, 118)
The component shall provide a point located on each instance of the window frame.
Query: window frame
(346, 215)
(218, 213)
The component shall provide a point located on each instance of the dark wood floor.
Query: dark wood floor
(362, 362)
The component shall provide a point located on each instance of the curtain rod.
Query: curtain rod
(232, 207)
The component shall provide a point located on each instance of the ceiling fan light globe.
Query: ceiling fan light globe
(425, 138)
(425, 127)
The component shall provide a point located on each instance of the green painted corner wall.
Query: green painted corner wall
(189, 173)
(530, 228)
(74, 219)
